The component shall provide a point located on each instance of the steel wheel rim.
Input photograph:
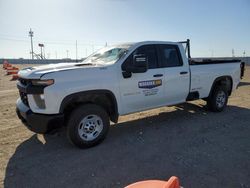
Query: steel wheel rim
(220, 99)
(90, 127)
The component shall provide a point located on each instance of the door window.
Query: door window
(149, 51)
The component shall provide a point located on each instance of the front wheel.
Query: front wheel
(218, 99)
(88, 125)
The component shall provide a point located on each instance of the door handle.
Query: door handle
(158, 75)
(183, 72)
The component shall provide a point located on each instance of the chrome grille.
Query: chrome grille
(22, 94)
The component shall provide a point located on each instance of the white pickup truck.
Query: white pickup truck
(119, 80)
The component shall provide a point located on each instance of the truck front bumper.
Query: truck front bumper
(38, 123)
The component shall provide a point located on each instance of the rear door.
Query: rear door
(176, 74)
(143, 90)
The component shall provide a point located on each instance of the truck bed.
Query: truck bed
(206, 61)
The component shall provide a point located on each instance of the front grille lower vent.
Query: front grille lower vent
(24, 98)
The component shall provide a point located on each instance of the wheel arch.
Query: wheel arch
(104, 98)
(223, 80)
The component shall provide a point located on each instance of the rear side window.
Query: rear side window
(170, 56)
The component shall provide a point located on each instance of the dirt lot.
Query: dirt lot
(202, 148)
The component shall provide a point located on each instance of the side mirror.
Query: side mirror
(140, 63)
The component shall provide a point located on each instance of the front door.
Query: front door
(143, 90)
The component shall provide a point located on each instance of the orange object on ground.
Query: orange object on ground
(9, 67)
(173, 182)
(12, 70)
(14, 77)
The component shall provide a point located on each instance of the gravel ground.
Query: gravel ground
(204, 149)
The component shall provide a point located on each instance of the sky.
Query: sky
(215, 27)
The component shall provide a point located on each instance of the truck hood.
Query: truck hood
(37, 71)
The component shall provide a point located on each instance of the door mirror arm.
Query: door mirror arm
(126, 74)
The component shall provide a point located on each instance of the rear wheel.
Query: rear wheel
(88, 125)
(218, 99)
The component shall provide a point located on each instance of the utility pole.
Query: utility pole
(31, 33)
(76, 50)
(41, 46)
(67, 53)
(41, 53)
(212, 52)
(44, 52)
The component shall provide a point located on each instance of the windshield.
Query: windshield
(107, 55)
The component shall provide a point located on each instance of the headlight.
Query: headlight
(42, 82)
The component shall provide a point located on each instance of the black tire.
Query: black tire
(75, 123)
(213, 102)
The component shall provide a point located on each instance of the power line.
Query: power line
(53, 42)
(11, 39)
